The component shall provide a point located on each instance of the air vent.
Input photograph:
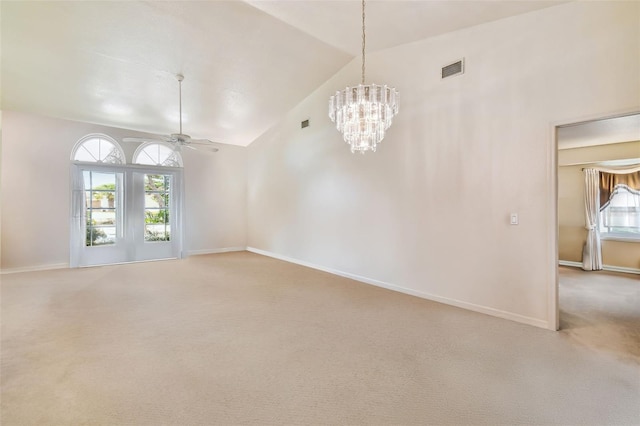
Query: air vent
(455, 68)
(304, 124)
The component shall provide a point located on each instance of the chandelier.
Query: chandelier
(364, 112)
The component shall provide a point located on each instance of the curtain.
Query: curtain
(609, 181)
(78, 219)
(592, 253)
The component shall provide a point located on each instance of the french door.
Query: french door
(125, 214)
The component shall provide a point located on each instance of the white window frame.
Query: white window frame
(91, 136)
(78, 230)
(615, 236)
(118, 204)
(146, 145)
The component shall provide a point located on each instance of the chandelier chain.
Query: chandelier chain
(363, 41)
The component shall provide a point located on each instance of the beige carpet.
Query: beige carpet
(243, 339)
(601, 310)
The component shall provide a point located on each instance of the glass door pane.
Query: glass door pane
(124, 214)
(157, 205)
(98, 217)
(102, 209)
(154, 209)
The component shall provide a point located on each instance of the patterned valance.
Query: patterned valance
(609, 181)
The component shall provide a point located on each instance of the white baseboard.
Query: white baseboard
(621, 269)
(570, 263)
(609, 268)
(214, 251)
(34, 268)
(66, 265)
(445, 300)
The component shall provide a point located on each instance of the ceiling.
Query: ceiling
(600, 132)
(245, 63)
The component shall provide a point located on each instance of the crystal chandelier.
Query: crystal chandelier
(363, 113)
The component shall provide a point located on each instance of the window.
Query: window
(101, 207)
(157, 204)
(124, 212)
(157, 154)
(620, 218)
(98, 149)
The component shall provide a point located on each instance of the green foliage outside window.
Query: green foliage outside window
(93, 237)
(104, 187)
(157, 193)
(162, 216)
(156, 236)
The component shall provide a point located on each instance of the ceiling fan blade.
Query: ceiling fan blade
(179, 140)
(200, 148)
(206, 142)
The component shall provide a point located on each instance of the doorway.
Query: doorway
(611, 143)
(125, 213)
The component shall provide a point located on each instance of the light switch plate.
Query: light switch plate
(513, 218)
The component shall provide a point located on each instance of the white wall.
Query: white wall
(35, 191)
(429, 211)
(215, 199)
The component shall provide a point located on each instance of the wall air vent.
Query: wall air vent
(304, 124)
(455, 68)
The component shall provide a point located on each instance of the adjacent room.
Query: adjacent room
(599, 230)
(319, 212)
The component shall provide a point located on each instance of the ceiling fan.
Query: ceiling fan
(179, 140)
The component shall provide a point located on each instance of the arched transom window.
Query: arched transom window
(98, 149)
(157, 154)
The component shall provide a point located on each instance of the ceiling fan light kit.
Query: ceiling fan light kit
(363, 113)
(179, 140)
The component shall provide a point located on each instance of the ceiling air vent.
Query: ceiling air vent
(304, 124)
(455, 68)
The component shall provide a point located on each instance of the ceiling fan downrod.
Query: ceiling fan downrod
(180, 77)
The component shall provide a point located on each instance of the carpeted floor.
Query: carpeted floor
(601, 310)
(239, 338)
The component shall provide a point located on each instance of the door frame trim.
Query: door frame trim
(76, 169)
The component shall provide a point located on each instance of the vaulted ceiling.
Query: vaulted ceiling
(245, 63)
